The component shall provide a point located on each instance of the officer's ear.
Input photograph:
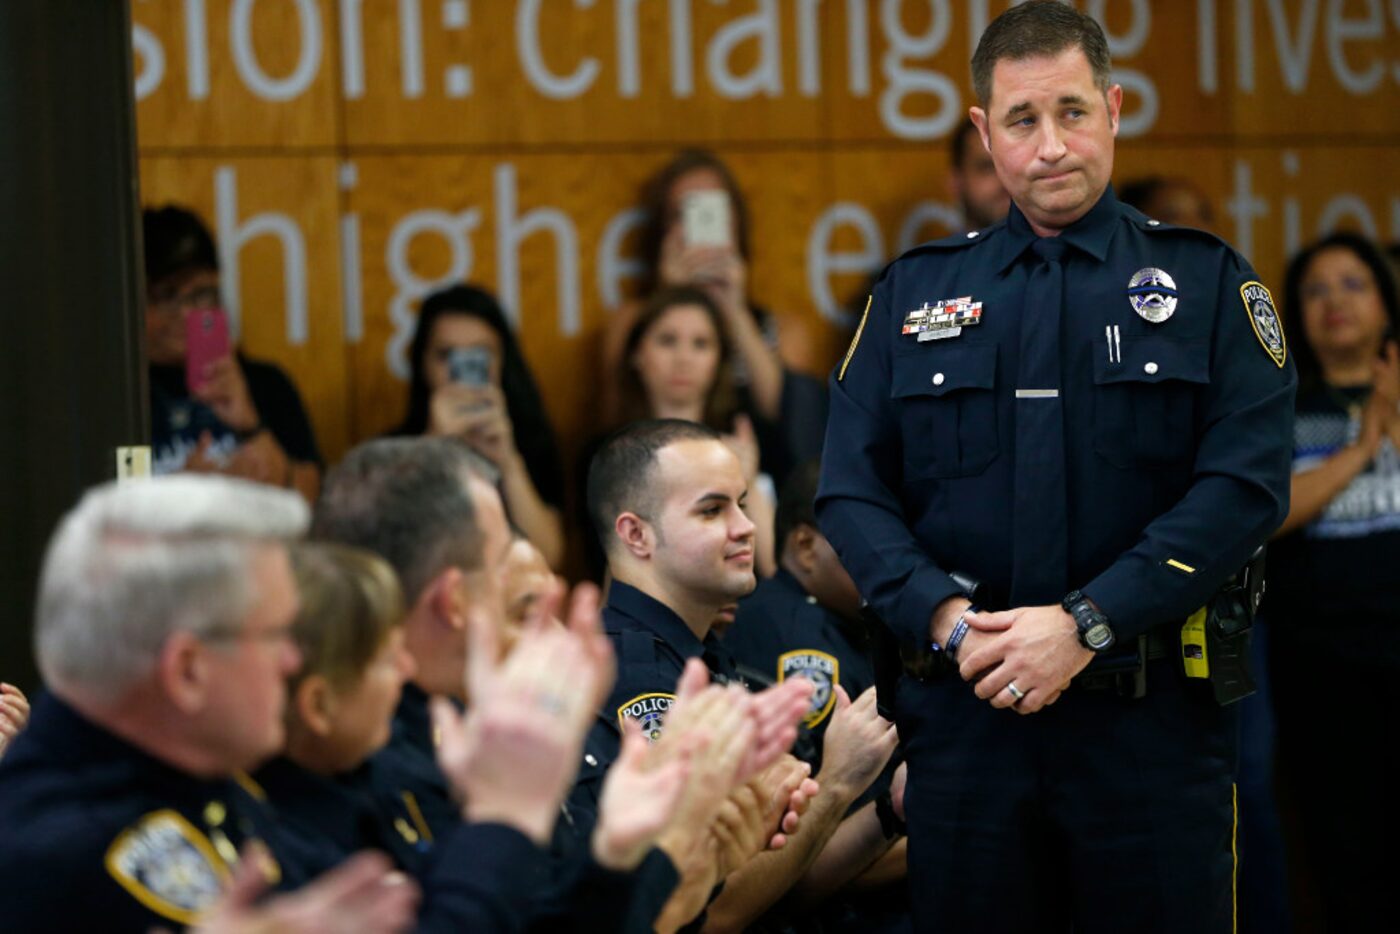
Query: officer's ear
(446, 599)
(978, 116)
(1113, 97)
(183, 671)
(314, 703)
(635, 535)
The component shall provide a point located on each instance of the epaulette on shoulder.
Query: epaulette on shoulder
(1160, 228)
(958, 241)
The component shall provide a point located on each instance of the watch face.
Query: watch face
(1099, 636)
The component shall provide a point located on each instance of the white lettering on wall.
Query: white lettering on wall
(613, 267)
(822, 263)
(766, 76)
(245, 59)
(527, 45)
(234, 234)
(904, 81)
(511, 231)
(152, 55)
(455, 230)
(196, 50)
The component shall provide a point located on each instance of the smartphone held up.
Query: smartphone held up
(206, 340)
(706, 218)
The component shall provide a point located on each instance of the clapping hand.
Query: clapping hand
(515, 753)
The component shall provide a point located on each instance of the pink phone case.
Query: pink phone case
(206, 340)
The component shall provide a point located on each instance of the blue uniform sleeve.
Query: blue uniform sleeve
(481, 880)
(858, 501)
(1240, 480)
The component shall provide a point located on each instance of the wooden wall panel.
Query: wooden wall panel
(235, 74)
(420, 137)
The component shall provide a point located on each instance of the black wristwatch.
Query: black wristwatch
(1095, 633)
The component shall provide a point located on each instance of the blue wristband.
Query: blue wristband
(959, 633)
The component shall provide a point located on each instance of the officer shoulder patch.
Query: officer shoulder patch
(649, 710)
(1263, 317)
(820, 668)
(168, 866)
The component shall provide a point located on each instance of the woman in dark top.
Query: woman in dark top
(502, 417)
(1334, 573)
(245, 418)
(675, 365)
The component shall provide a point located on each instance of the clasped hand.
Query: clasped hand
(1034, 647)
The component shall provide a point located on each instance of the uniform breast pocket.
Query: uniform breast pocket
(1144, 405)
(947, 410)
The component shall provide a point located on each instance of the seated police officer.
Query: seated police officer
(163, 634)
(428, 506)
(667, 498)
(805, 621)
(326, 794)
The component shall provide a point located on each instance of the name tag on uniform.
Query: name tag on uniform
(942, 320)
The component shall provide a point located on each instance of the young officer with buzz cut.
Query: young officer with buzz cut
(667, 499)
(1089, 413)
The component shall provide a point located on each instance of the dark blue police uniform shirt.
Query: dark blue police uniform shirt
(1176, 440)
(563, 890)
(333, 816)
(475, 877)
(781, 632)
(97, 835)
(407, 765)
(652, 644)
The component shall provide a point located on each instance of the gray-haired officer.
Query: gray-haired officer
(1088, 413)
(164, 635)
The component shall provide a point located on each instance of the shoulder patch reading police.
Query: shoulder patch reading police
(1263, 316)
(823, 670)
(855, 341)
(168, 865)
(650, 711)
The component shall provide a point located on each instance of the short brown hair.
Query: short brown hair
(350, 602)
(1039, 28)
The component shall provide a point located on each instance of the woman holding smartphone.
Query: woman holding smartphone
(469, 380)
(696, 233)
(213, 409)
(1333, 607)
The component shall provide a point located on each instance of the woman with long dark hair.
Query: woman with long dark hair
(469, 380)
(1334, 574)
(788, 408)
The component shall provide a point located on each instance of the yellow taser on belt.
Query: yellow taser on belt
(1193, 646)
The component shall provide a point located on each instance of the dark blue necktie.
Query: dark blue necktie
(1040, 550)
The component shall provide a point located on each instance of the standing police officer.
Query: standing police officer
(1086, 414)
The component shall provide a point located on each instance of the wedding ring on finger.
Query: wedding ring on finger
(1014, 691)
